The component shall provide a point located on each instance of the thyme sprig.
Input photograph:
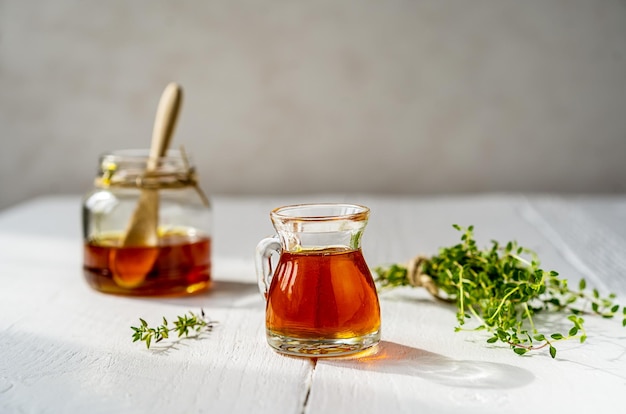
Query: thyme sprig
(183, 325)
(502, 288)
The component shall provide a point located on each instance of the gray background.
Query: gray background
(294, 97)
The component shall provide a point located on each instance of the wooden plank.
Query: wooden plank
(66, 348)
(589, 235)
(422, 365)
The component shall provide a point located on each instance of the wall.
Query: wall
(409, 97)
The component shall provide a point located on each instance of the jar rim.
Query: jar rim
(129, 168)
(321, 212)
(142, 154)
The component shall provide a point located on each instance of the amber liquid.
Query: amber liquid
(179, 264)
(328, 294)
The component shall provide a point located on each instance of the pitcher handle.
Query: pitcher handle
(263, 261)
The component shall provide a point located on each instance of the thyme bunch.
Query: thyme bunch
(502, 288)
(183, 325)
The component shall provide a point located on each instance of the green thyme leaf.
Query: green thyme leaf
(182, 325)
(552, 351)
(520, 351)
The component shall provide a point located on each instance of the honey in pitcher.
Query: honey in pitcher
(322, 294)
(179, 264)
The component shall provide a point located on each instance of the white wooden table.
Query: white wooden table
(65, 348)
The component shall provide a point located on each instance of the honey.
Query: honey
(321, 297)
(179, 261)
(326, 294)
(179, 264)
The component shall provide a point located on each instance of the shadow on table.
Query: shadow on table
(223, 294)
(394, 358)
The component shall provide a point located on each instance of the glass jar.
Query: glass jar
(177, 260)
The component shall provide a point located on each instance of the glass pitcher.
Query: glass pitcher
(320, 299)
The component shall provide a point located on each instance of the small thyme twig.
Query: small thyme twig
(503, 291)
(183, 325)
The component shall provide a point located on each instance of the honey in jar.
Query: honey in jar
(336, 300)
(179, 262)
